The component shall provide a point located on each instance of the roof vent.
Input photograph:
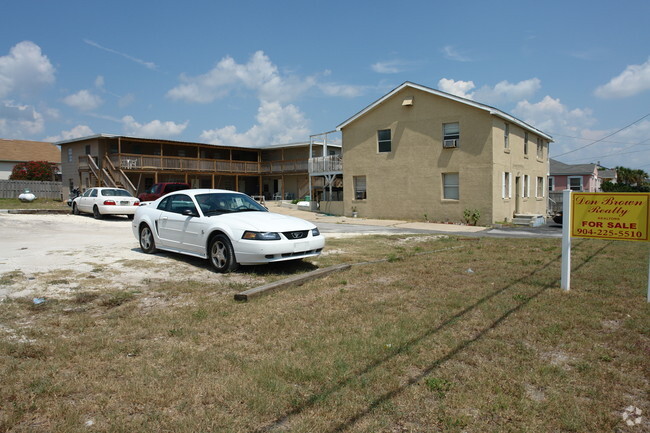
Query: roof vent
(408, 101)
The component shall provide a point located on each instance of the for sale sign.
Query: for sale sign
(622, 216)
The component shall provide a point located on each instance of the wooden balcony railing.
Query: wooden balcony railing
(165, 163)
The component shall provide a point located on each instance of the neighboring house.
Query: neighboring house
(607, 175)
(272, 172)
(576, 177)
(13, 152)
(419, 153)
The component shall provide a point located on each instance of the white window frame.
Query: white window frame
(506, 136)
(447, 136)
(389, 141)
(69, 154)
(539, 187)
(448, 186)
(568, 183)
(506, 185)
(360, 187)
(540, 148)
(551, 183)
(525, 187)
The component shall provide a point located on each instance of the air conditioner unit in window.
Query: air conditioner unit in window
(450, 143)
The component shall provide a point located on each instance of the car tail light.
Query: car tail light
(136, 203)
(109, 203)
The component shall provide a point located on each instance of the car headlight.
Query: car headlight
(261, 236)
(315, 232)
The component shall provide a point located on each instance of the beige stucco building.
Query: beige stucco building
(419, 153)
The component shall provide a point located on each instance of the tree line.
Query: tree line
(628, 180)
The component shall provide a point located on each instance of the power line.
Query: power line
(609, 155)
(598, 141)
(554, 134)
(619, 152)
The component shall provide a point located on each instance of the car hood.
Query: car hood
(264, 221)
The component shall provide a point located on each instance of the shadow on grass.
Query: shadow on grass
(316, 398)
(287, 268)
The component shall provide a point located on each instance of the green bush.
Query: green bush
(471, 216)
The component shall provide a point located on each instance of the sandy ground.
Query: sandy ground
(48, 255)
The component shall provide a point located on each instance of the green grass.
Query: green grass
(39, 203)
(409, 341)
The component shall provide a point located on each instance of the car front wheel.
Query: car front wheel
(147, 244)
(222, 255)
(75, 209)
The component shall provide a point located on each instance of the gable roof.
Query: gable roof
(23, 150)
(493, 111)
(557, 168)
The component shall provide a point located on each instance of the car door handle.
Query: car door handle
(164, 218)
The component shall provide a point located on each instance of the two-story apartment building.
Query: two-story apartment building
(272, 172)
(421, 153)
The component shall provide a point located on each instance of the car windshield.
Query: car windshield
(115, 193)
(220, 203)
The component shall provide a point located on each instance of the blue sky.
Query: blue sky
(253, 73)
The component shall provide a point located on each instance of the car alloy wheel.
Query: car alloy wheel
(222, 255)
(147, 244)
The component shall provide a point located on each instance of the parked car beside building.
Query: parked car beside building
(105, 201)
(160, 189)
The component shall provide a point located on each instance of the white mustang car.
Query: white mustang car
(226, 227)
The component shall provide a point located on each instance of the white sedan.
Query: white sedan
(105, 201)
(226, 227)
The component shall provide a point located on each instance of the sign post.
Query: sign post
(566, 240)
(599, 215)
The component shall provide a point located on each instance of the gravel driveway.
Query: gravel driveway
(50, 255)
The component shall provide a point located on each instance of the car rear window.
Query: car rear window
(115, 193)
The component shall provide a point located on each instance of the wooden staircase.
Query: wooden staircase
(110, 176)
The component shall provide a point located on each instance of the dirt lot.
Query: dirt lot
(47, 255)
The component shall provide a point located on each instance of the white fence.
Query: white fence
(13, 188)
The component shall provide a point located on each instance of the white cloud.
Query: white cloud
(451, 53)
(155, 128)
(550, 115)
(19, 120)
(505, 91)
(24, 69)
(99, 82)
(458, 88)
(502, 92)
(632, 81)
(276, 124)
(258, 74)
(390, 67)
(83, 100)
(76, 132)
(344, 90)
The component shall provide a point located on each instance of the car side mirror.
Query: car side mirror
(189, 212)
